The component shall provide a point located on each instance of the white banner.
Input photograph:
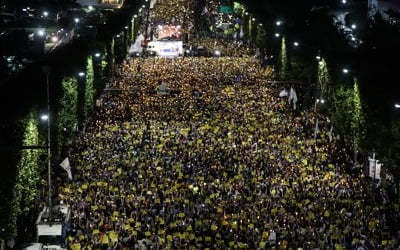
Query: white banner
(372, 167)
(67, 167)
(378, 167)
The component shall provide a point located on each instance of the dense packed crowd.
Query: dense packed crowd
(208, 161)
(202, 153)
(177, 12)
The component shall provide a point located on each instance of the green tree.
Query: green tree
(283, 60)
(90, 90)
(23, 194)
(357, 118)
(238, 8)
(348, 115)
(67, 114)
(261, 36)
(324, 80)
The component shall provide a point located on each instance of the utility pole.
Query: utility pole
(46, 70)
(147, 33)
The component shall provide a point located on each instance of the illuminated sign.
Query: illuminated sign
(166, 48)
(169, 32)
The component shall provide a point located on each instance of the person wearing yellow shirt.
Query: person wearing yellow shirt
(75, 246)
(104, 241)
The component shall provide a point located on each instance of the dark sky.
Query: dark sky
(395, 3)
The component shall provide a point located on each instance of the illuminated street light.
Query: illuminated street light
(344, 1)
(97, 54)
(296, 44)
(45, 13)
(54, 39)
(345, 70)
(277, 35)
(76, 20)
(353, 26)
(81, 74)
(41, 32)
(318, 57)
(278, 23)
(44, 117)
(217, 53)
(397, 106)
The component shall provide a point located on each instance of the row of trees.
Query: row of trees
(72, 102)
(351, 108)
(75, 83)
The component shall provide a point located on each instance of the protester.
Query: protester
(203, 153)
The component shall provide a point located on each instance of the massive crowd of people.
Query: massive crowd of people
(189, 156)
(203, 153)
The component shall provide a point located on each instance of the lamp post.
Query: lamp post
(147, 9)
(46, 70)
(316, 130)
(81, 80)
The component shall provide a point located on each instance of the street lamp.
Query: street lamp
(397, 106)
(44, 117)
(316, 130)
(278, 23)
(46, 70)
(345, 70)
(40, 32)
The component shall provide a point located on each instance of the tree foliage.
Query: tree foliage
(324, 80)
(348, 114)
(283, 61)
(24, 193)
(67, 115)
(261, 36)
(90, 90)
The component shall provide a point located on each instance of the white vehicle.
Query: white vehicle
(166, 48)
(52, 234)
(31, 246)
